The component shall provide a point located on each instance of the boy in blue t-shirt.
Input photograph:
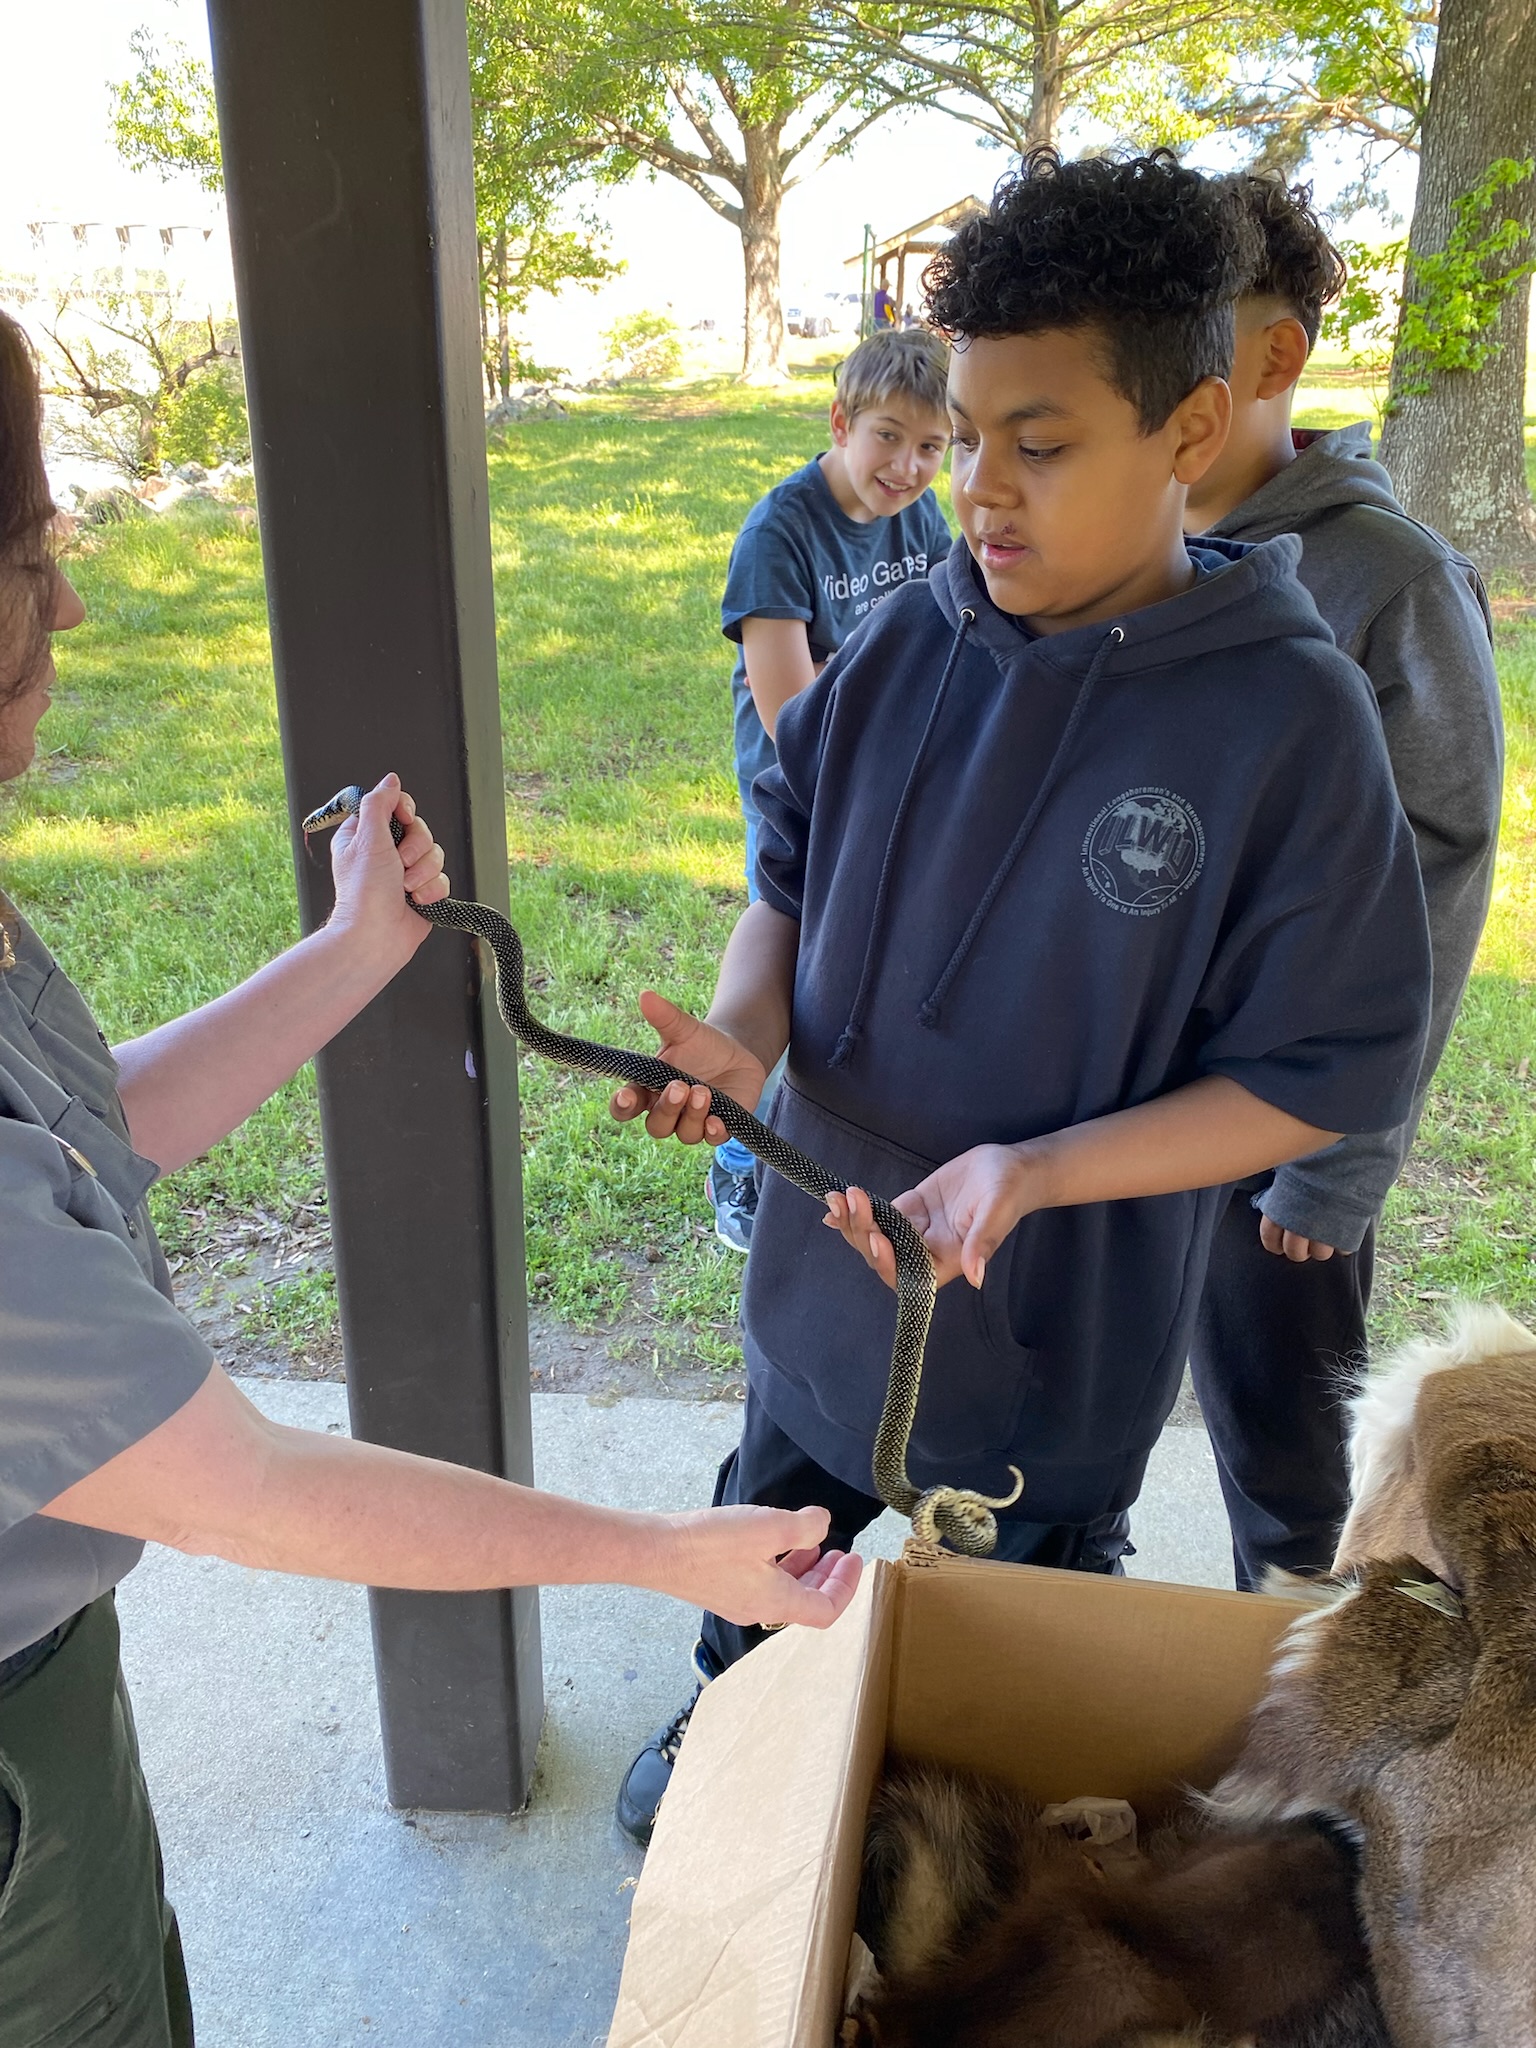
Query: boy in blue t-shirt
(815, 557)
(1084, 892)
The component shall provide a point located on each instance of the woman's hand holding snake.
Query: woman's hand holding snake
(373, 874)
(698, 1048)
(962, 1211)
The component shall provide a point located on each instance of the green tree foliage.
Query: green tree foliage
(524, 165)
(738, 100)
(205, 419)
(1282, 72)
(164, 119)
(1303, 69)
(1013, 69)
(1447, 320)
(645, 345)
(143, 382)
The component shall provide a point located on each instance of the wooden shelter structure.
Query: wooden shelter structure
(923, 238)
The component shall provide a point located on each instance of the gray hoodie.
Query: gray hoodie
(1412, 612)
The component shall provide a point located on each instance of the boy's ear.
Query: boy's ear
(1201, 423)
(1286, 350)
(840, 423)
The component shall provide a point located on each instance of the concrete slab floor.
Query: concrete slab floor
(314, 1915)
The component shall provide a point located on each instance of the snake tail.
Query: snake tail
(962, 1518)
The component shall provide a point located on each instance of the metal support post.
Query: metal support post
(346, 141)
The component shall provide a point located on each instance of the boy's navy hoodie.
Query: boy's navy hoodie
(1039, 879)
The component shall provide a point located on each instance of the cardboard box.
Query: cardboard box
(1061, 1682)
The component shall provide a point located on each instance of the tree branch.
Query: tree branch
(691, 171)
(846, 140)
(725, 164)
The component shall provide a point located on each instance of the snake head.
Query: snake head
(344, 804)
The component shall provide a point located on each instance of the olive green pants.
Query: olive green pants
(89, 1949)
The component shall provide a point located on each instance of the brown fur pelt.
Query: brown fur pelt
(1406, 1703)
(993, 1932)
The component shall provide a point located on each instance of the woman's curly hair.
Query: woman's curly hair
(1295, 260)
(27, 575)
(1145, 252)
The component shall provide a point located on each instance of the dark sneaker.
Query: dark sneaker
(646, 1780)
(733, 1197)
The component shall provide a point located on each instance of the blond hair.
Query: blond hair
(913, 363)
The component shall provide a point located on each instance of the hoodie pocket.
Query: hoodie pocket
(824, 1321)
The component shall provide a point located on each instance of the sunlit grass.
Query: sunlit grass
(151, 846)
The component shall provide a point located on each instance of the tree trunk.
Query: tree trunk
(1457, 451)
(503, 340)
(762, 196)
(485, 323)
(1047, 82)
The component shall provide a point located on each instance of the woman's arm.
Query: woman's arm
(1199, 1136)
(192, 1081)
(219, 1479)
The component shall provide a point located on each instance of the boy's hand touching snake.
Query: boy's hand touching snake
(962, 1211)
(698, 1048)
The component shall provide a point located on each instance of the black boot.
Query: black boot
(646, 1780)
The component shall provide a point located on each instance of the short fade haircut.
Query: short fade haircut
(911, 364)
(1147, 254)
(1295, 261)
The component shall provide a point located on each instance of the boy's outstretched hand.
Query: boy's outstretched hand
(698, 1048)
(963, 1211)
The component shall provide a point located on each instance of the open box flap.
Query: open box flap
(1068, 1683)
(749, 1950)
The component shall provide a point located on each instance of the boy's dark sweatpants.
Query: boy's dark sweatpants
(1271, 1359)
(768, 1469)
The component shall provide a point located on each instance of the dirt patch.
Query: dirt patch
(636, 1355)
(265, 1306)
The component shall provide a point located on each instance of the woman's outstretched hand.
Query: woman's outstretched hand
(698, 1048)
(761, 1566)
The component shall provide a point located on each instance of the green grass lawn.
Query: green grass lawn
(150, 846)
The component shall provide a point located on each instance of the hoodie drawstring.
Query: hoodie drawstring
(852, 1031)
(928, 1015)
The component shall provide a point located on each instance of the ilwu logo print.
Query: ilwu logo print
(1143, 851)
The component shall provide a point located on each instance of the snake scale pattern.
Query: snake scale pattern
(955, 1515)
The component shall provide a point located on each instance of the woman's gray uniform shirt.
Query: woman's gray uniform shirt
(93, 1355)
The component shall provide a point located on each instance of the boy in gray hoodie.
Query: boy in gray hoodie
(1286, 1295)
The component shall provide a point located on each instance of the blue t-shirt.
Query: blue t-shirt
(800, 556)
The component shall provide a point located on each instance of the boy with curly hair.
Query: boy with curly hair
(1084, 893)
(1281, 1313)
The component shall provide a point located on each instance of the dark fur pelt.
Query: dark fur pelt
(992, 1932)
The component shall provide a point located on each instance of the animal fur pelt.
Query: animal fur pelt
(993, 1932)
(1406, 1702)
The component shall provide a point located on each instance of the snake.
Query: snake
(959, 1516)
